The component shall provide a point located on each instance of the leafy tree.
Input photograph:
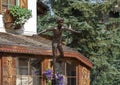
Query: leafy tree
(100, 37)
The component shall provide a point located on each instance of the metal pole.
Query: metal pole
(54, 71)
(54, 66)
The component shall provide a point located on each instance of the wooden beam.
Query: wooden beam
(44, 66)
(78, 74)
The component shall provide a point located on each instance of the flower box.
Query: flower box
(15, 17)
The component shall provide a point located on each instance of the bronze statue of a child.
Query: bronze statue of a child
(57, 36)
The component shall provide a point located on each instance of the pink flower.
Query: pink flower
(7, 11)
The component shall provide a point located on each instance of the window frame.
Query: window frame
(66, 68)
(7, 4)
(28, 67)
(71, 76)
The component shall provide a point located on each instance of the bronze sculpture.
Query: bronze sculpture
(57, 36)
(56, 43)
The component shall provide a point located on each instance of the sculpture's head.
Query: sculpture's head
(60, 21)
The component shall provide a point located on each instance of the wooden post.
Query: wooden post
(9, 64)
(45, 64)
(78, 74)
(54, 71)
(9, 70)
(54, 65)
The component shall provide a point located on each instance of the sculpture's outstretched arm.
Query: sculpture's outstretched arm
(43, 31)
(71, 30)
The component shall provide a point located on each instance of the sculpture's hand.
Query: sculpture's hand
(74, 31)
(70, 27)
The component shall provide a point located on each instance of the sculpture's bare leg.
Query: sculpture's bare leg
(59, 58)
(54, 50)
(59, 46)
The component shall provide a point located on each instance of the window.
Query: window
(5, 4)
(67, 69)
(28, 71)
(71, 74)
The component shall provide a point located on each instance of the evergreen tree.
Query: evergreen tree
(100, 37)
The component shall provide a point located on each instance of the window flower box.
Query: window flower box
(15, 17)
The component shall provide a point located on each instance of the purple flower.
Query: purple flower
(60, 78)
(48, 74)
(49, 71)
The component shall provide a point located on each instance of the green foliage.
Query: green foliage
(45, 22)
(100, 37)
(21, 15)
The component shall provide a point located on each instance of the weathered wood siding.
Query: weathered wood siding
(85, 76)
(8, 71)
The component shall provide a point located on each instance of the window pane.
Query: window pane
(4, 7)
(7, 4)
(29, 71)
(12, 2)
(35, 66)
(24, 80)
(36, 80)
(23, 66)
(71, 73)
(4, 4)
(71, 70)
(5, 1)
(60, 67)
(71, 81)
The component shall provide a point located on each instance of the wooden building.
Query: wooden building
(23, 59)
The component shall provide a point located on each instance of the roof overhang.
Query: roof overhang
(45, 52)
